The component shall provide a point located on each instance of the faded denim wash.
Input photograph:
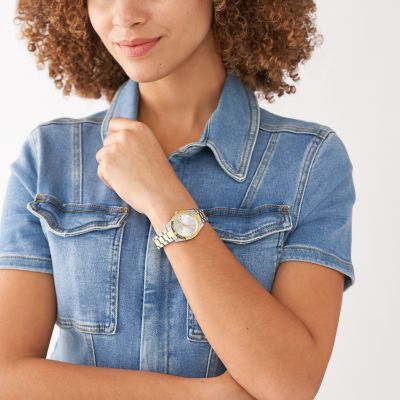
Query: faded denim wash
(274, 189)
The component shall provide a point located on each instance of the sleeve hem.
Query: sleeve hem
(303, 253)
(23, 268)
(30, 263)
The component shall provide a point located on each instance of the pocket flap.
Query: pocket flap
(67, 219)
(243, 225)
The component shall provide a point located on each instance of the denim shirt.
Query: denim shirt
(274, 188)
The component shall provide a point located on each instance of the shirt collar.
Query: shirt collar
(230, 132)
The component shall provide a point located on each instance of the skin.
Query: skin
(181, 79)
(275, 345)
(180, 83)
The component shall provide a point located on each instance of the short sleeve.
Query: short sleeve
(23, 244)
(323, 230)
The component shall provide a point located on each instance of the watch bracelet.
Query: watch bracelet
(166, 236)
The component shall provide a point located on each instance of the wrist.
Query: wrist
(160, 212)
(206, 389)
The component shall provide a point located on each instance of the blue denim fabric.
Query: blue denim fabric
(274, 189)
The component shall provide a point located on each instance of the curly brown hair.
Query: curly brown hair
(260, 41)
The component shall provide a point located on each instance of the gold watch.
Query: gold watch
(183, 225)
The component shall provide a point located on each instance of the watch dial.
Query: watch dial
(185, 224)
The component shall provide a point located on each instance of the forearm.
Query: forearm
(44, 379)
(266, 348)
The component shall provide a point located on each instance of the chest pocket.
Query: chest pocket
(254, 236)
(85, 242)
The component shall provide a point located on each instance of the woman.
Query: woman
(185, 231)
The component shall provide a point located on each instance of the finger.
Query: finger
(109, 146)
(100, 175)
(99, 155)
(113, 137)
(118, 123)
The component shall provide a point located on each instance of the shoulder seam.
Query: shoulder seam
(323, 131)
(69, 121)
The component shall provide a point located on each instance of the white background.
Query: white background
(351, 84)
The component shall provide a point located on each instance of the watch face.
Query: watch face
(185, 224)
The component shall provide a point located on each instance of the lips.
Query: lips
(137, 50)
(136, 41)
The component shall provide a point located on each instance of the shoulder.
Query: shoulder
(94, 118)
(311, 136)
(275, 123)
(303, 161)
(61, 129)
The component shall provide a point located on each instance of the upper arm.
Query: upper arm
(27, 298)
(27, 313)
(322, 232)
(314, 294)
(315, 266)
(23, 244)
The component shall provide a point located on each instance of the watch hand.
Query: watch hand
(184, 224)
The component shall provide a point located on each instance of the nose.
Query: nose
(127, 13)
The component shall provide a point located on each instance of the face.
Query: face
(183, 25)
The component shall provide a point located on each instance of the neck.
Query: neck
(186, 98)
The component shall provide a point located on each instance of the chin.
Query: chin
(142, 74)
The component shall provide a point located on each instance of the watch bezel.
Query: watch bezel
(187, 212)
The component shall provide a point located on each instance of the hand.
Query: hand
(133, 163)
(228, 388)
